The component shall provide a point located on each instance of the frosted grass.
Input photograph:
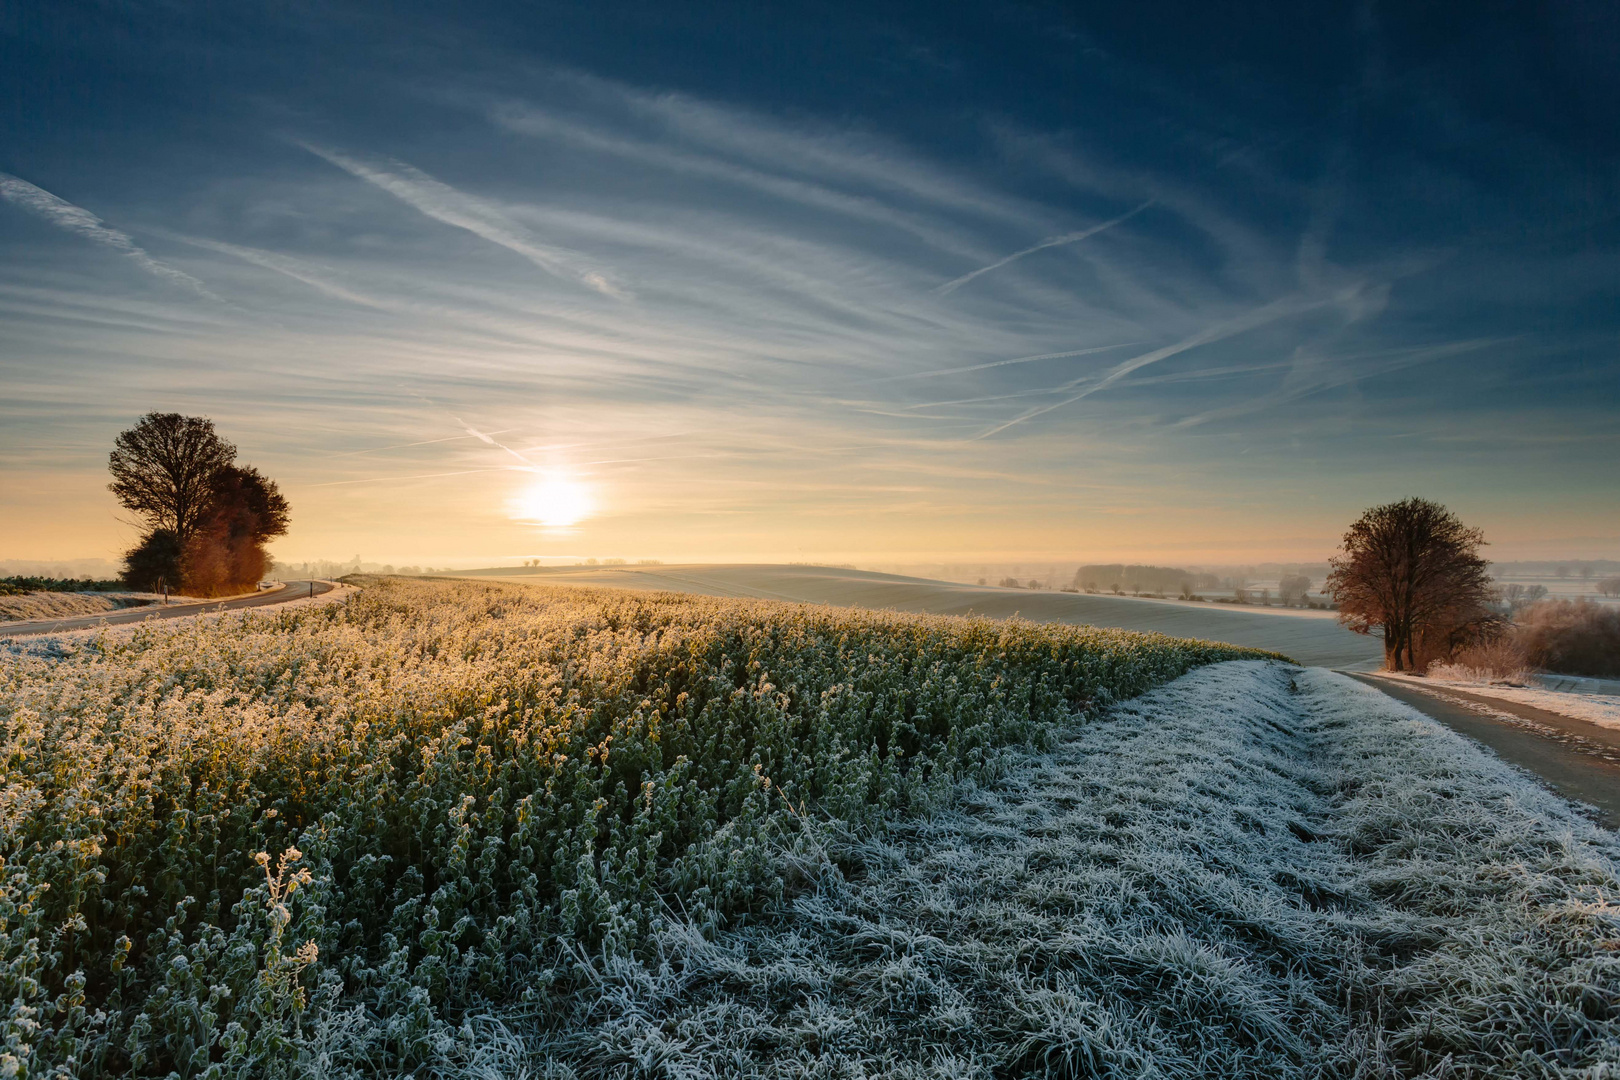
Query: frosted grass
(1254, 871)
(474, 784)
(824, 843)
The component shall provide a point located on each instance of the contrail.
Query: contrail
(1055, 241)
(282, 264)
(1277, 309)
(407, 445)
(442, 202)
(483, 438)
(1004, 363)
(76, 219)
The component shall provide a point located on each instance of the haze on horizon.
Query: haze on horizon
(882, 283)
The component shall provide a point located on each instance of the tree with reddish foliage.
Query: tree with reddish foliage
(227, 551)
(1412, 570)
(207, 518)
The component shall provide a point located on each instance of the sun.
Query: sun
(556, 501)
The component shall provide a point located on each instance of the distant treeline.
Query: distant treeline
(1157, 579)
(1584, 569)
(15, 586)
(327, 568)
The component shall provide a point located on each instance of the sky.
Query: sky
(481, 282)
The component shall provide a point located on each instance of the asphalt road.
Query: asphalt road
(292, 590)
(1579, 760)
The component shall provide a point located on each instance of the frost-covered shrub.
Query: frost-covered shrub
(281, 843)
(1573, 637)
(1502, 659)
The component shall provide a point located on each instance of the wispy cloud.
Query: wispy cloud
(1251, 320)
(297, 269)
(1005, 363)
(442, 202)
(813, 193)
(76, 219)
(790, 343)
(1312, 373)
(842, 157)
(1050, 242)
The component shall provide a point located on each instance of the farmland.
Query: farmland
(475, 829)
(222, 839)
(1311, 637)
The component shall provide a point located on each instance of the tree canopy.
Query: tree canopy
(164, 469)
(1412, 570)
(207, 518)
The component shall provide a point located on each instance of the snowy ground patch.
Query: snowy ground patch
(1600, 709)
(1256, 870)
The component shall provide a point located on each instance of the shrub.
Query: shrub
(464, 789)
(1501, 659)
(1572, 637)
(17, 586)
(156, 561)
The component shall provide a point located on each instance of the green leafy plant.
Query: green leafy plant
(473, 787)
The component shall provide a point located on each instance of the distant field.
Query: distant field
(1311, 637)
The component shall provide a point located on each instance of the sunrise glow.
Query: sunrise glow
(557, 500)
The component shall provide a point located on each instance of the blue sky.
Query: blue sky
(872, 281)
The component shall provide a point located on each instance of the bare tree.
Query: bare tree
(1412, 570)
(1292, 589)
(1610, 586)
(164, 470)
(1518, 597)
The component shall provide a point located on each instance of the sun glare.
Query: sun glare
(557, 501)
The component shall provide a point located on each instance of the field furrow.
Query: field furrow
(1254, 871)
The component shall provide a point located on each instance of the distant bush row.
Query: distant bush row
(442, 794)
(16, 586)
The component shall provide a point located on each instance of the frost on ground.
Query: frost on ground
(52, 605)
(64, 643)
(1253, 871)
(318, 839)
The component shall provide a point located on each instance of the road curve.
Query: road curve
(1579, 760)
(292, 590)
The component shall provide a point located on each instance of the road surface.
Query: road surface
(292, 590)
(1579, 760)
